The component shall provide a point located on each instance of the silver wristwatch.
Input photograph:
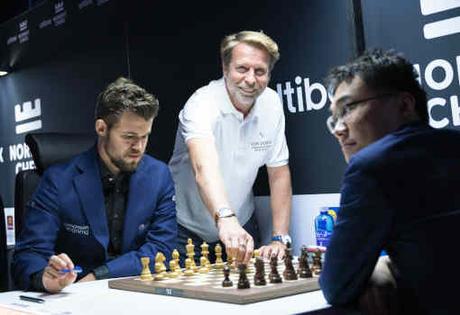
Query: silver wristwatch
(223, 213)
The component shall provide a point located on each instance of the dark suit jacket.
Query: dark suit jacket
(67, 214)
(400, 194)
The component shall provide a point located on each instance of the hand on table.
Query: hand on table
(238, 243)
(53, 279)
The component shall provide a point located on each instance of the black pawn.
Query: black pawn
(227, 282)
(317, 265)
(304, 269)
(274, 276)
(289, 271)
(259, 277)
(243, 282)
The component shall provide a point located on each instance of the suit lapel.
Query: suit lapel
(89, 188)
(136, 204)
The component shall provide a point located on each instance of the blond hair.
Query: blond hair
(256, 39)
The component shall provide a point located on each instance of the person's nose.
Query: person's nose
(340, 128)
(250, 77)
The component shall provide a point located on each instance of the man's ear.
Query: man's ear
(101, 127)
(408, 105)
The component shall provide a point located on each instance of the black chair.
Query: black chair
(4, 279)
(46, 149)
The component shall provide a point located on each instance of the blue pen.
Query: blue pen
(76, 269)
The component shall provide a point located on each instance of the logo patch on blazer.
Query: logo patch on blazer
(76, 229)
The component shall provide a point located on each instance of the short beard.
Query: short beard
(122, 165)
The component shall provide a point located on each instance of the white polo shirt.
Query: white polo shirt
(243, 145)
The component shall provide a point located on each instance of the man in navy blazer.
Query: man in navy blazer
(104, 209)
(399, 193)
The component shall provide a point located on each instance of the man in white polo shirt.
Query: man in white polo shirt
(227, 131)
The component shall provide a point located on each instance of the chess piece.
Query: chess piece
(160, 267)
(204, 253)
(146, 275)
(289, 271)
(173, 269)
(188, 268)
(190, 252)
(317, 265)
(304, 270)
(227, 282)
(243, 282)
(175, 255)
(230, 263)
(274, 276)
(219, 264)
(203, 265)
(259, 276)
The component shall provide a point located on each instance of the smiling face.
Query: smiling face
(122, 146)
(368, 122)
(247, 75)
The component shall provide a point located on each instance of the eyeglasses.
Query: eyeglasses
(343, 112)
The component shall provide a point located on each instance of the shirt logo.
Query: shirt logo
(76, 229)
(261, 146)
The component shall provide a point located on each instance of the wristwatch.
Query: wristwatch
(223, 213)
(282, 238)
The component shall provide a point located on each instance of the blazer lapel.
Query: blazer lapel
(137, 197)
(89, 188)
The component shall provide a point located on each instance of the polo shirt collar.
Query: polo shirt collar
(228, 108)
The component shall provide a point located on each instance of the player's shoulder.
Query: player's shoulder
(68, 168)
(208, 94)
(153, 166)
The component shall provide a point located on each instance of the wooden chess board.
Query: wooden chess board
(208, 286)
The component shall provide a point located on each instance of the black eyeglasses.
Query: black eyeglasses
(341, 114)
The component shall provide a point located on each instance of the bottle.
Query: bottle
(324, 224)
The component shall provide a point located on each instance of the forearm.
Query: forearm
(281, 198)
(205, 164)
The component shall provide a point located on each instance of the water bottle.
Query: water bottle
(324, 223)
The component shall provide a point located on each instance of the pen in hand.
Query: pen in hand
(76, 269)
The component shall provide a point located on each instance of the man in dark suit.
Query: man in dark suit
(104, 209)
(399, 192)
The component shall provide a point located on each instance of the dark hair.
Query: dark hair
(123, 95)
(382, 70)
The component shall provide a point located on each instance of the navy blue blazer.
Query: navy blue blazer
(400, 194)
(67, 214)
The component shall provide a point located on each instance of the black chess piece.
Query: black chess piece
(227, 282)
(274, 276)
(243, 282)
(317, 265)
(304, 270)
(259, 276)
(289, 272)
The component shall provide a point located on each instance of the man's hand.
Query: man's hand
(89, 277)
(273, 249)
(238, 243)
(53, 279)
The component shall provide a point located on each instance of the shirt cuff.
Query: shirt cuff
(101, 272)
(36, 282)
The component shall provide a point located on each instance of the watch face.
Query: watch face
(224, 212)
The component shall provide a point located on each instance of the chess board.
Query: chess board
(208, 286)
